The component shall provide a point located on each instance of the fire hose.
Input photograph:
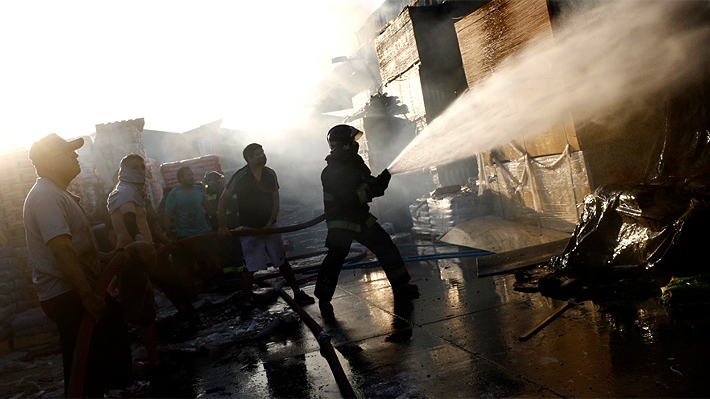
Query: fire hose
(252, 232)
(76, 382)
(81, 352)
(326, 347)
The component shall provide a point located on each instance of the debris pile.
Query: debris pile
(683, 291)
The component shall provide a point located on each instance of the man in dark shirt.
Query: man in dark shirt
(257, 191)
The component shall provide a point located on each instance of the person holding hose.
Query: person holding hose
(349, 185)
(128, 206)
(233, 259)
(185, 209)
(66, 265)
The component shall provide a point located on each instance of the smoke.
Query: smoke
(315, 34)
(611, 57)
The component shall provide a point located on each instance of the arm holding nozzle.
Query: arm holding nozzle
(379, 184)
(384, 178)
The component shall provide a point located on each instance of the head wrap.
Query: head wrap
(130, 187)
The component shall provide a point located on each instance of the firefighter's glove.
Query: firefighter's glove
(379, 184)
(384, 179)
(375, 189)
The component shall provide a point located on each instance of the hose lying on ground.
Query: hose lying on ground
(84, 337)
(326, 348)
(416, 258)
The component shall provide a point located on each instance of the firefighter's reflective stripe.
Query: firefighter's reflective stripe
(232, 269)
(342, 224)
(362, 194)
(213, 197)
(328, 197)
(346, 225)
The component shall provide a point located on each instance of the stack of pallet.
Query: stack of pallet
(13, 299)
(87, 185)
(112, 142)
(154, 187)
(22, 321)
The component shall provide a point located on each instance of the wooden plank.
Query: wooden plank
(539, 326)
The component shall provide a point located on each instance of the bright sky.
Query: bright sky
(69, 65)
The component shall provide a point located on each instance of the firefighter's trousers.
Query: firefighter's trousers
(375, 239)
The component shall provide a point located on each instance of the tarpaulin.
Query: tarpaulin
(638, 231)
(635, 228)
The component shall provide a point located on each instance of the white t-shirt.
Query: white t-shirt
(50, 212)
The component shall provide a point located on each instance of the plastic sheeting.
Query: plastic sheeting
(542, 191)
(641, 228)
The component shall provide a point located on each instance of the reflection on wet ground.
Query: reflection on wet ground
(459, 339)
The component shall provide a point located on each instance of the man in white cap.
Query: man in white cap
(66, 265)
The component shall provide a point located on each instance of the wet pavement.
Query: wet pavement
(459, 339)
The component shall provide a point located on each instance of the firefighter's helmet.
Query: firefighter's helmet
(212, 176)
(342, 135)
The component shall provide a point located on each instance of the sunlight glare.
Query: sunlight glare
(76, 64)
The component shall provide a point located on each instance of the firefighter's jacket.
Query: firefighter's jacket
(348, 182)
(214, 192)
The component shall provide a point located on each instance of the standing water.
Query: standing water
(618, 55)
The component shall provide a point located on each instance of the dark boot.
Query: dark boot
(406, 291)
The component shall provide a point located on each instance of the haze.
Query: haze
(70, 65)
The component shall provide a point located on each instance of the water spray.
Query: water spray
(616, 56)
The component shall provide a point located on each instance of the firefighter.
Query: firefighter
(348, 183)
(233, 263)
